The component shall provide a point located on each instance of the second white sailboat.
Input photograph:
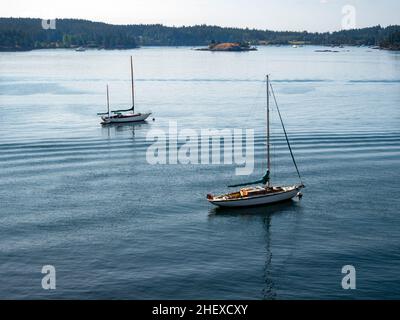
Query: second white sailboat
(125, 115)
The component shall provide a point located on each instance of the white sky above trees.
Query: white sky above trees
(297, 15)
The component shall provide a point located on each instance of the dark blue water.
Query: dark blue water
(84, 199)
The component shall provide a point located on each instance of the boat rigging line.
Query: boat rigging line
(284, 131)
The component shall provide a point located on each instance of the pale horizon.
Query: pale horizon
(275, 15)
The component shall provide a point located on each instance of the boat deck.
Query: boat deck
(249, 192)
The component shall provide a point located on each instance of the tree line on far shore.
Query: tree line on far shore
(28, 33)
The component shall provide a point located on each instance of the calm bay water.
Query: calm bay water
(83, 198)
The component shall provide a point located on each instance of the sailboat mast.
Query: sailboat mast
(108, 103)
(133, 90)
(268, 129)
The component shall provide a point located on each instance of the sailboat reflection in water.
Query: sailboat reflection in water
(256, 217)
(265, 193)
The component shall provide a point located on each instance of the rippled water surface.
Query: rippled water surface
(83, 197)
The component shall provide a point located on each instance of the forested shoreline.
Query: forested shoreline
(18, 34)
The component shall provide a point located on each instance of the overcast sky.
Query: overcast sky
(310, 15)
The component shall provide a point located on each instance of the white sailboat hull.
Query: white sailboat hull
(289, 193)
(126, 118)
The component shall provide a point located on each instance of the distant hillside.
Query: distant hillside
(391, 41)
(27, 34)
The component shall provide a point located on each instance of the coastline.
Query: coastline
(200, 48)
(25, 34)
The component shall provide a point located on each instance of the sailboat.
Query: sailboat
(265, 193)
(127, 115)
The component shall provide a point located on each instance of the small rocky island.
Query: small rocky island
(228, 46)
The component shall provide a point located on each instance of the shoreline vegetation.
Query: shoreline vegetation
(24, 34)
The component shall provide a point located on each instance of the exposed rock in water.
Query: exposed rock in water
(229, 46)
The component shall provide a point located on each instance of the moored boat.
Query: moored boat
(125, 115)
(124, 118)
(254, 196)
(265, 193)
